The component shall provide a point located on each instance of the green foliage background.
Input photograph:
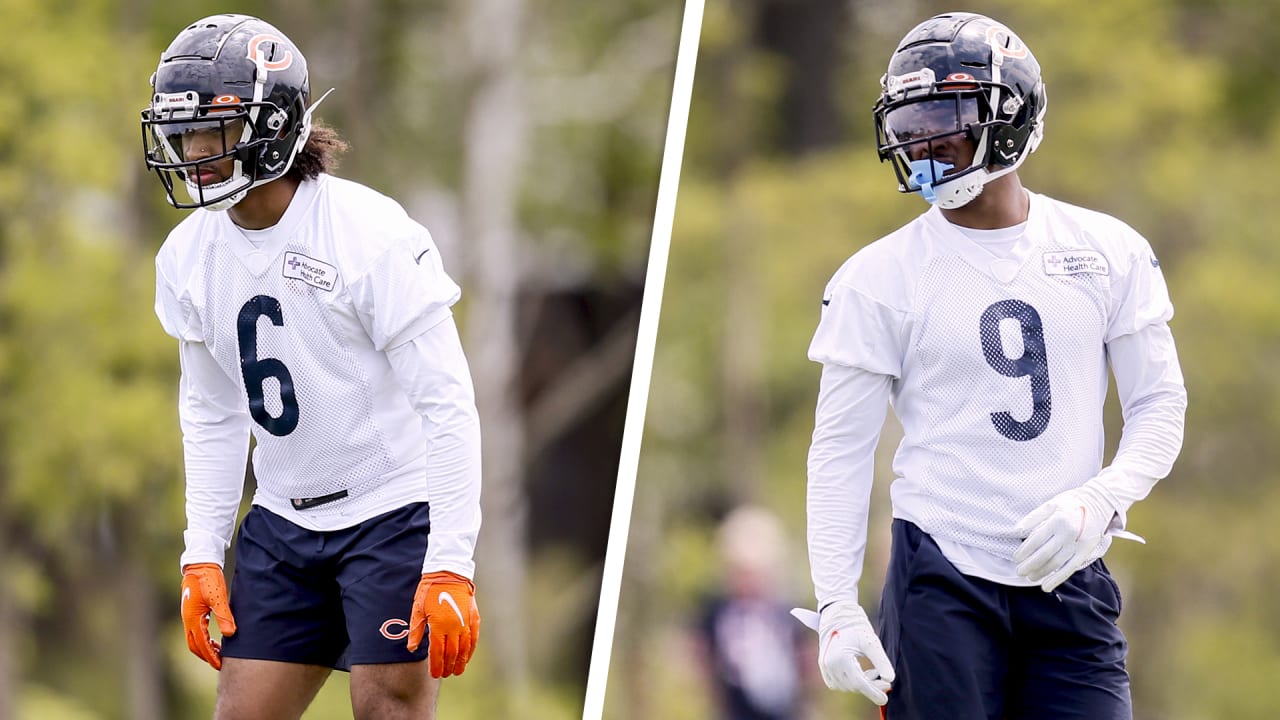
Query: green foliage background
(1161, 112)
(91, 507)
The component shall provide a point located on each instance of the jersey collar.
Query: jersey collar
(271, 241)
(1002, 269)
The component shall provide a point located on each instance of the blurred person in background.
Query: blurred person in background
(755, 657)
(314, 313)
(989, 323)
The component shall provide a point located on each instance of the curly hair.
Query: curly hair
(320, 154)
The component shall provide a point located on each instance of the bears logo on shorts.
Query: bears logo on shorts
(389, 629)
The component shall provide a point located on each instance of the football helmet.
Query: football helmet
(228, 110)
(958, 76)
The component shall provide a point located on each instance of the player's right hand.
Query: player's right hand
(844, 636)
(204, 591)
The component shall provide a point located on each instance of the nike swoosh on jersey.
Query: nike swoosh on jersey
(418, 259)
(445, 597)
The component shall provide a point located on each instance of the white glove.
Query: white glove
(1062, 535)
(844, 635)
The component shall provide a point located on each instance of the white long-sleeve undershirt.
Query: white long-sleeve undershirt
(213, 414)
(434, 374)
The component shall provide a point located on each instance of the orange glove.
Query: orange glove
(204, 589)
(446, 603)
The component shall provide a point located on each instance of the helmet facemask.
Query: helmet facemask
(176, 126)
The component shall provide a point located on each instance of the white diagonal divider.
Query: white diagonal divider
(638, 400)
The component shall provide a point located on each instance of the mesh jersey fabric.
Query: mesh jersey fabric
(300, 323)
(999, 363)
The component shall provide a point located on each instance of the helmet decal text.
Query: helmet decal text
(899, 85)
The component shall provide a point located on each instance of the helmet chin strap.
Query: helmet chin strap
(199, 192)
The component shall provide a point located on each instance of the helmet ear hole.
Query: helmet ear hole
(277, 120)
(1019, 121)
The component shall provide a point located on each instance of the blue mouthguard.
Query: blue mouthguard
(924, 172)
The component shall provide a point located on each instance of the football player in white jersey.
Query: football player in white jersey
(988, 323)
(314, 314)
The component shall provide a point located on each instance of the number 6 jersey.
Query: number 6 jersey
(301, 323)
(998, 363)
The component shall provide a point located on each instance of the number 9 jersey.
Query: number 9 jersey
(998, 360)
(299, 319)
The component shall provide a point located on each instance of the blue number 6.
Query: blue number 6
(1033, 363)
(256, 371)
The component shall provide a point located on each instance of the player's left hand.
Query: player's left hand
(445, 607)
(1062, 535)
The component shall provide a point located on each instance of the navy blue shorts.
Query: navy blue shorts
(336, 598)
(965, 648)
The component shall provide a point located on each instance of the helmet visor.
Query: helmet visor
(929, 119)
(194, 141)
(178, 143)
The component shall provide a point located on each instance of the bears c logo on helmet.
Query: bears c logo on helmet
(1003, 41)
(257, 55)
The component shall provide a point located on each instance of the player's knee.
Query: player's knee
(402, 692)
(232, 706)
(393, 706)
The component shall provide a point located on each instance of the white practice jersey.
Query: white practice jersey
(998, 364)
(301, 321)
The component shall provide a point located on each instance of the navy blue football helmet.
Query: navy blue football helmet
(239, 85)
(958, 75)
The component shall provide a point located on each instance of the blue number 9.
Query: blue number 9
(1033, 363)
